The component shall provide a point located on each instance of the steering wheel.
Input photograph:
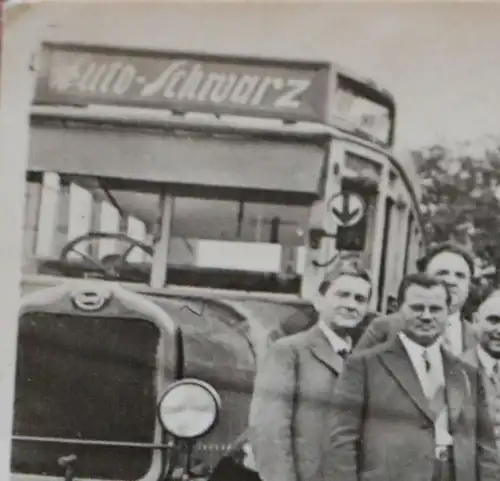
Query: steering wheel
(112, 264)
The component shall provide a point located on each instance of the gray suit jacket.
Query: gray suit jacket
(385, 328)
(382, 427)
(292, 398)
(471, 357)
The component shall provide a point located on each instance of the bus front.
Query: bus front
(218, 188)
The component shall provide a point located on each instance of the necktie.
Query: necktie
(432, 382)
(435, 390)
(427, 362)
(343, 353)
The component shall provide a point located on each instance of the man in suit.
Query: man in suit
(486, 355)
(410, 410)
(454, 266)
(295, 382)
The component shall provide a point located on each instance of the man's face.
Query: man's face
(488, 325)
(426, 311)
(452, 269)
(345, 302)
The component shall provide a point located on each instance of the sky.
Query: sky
(440, 61)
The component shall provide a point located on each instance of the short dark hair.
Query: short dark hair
(423, 280)
(347, 266)
(450, 247)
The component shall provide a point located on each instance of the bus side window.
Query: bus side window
(413, 245)
(409, 230)
(352, 238)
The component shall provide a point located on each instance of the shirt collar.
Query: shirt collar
(486, 361)
(338, 343)
(414, 347)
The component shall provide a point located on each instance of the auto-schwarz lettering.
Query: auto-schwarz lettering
(183, 80)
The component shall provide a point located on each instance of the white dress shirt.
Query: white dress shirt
(453, 337)
(338, 343)
(429, 384)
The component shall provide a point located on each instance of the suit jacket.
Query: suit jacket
(382, 427)
(385, 328)
(292, 398)
(471, 357)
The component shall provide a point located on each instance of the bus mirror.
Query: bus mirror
(189, 409)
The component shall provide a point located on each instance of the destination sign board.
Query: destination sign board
(185, 82)
(182, 82)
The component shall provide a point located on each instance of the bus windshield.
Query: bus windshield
(113, 233)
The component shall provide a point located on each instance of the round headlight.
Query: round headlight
(189, 408)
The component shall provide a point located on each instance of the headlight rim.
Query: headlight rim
(201, 384)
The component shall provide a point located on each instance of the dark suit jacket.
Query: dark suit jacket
(382, 427)
(292, 398)
(471, 357)
(385, 328)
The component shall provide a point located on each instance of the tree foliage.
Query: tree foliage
(461, 198)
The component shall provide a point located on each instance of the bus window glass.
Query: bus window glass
(363, 110)
(80, 209)
(109, 222)
(48, 214)
(371, 232)
(396, 242)
(136, 230)
(32, 199)
(409, 234)
(236, 244)
(360, 236)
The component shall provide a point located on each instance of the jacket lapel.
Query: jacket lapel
(471, 358)
(398, 363)
(322, 350)
(457, 383)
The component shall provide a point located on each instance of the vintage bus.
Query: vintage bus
(180, 212)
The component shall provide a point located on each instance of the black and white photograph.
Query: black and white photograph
(250, 241)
